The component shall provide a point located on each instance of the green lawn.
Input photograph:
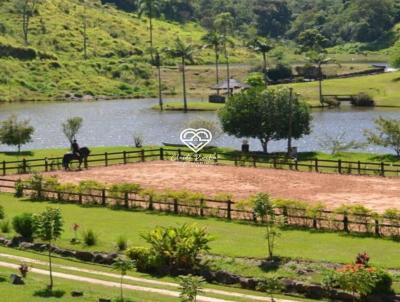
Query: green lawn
(384, 88)
(231, 239)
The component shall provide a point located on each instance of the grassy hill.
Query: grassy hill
(52, 65)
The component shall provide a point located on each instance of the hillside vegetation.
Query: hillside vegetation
(52, 65)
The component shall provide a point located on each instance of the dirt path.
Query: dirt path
(163, 292)
(334, 190)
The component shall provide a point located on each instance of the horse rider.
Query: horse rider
(75, 148)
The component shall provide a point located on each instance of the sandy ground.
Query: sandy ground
(334, 190)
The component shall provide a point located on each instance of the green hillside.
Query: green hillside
(52, 66)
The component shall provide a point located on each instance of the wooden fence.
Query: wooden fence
(231, 158)
(377, 225)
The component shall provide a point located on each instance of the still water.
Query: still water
(113, 123)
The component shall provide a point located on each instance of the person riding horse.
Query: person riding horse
(79, 154)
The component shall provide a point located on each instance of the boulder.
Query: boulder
(226, 278)
(249, 283)
(65, 253)
(341, 296)
(26, 245)
(39, 247)
(16, 280)
(315, 292)
(84, 256)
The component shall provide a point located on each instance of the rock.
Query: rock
(226, 278)
(289, 285)
(16, 280)
(39, 247)
(209, 276)
(87, 97)
(26, 245)
(248, 283)
(300, 287)
(341, 296)
(106, 259)
(315, 292)
(65, 253)
(84, 256)
(3, 240)
(76, 294)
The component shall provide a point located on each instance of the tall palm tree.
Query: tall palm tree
(149, 8)
(263, 46)
(157, 63)
(319, 59)
(214, 40)
(185, 52)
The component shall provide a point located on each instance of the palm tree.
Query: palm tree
(318, 59)
(262, 46)
(123, 266)
(214, 40)
(185, 53)
(149, 8)
(157, 62)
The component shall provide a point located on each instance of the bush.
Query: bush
(5, 227)
(122, 243)
(280, 72)
(145, 260)
(255, 79)
(24, 225)
(19, 189)
(89, 238)
(363, 100)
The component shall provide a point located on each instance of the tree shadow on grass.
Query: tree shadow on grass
(46, 293)
(23, 153)
(2, 279)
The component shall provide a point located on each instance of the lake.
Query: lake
(113, 123)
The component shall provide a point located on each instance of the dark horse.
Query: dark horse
(69, 157)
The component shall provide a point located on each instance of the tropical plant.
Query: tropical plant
(263, 46)
(214, 40)
(49, 227)
(24, 225)
(387, 135)
(123, 266)
(190, 287)
(15, 133)
(150, 8)
(89, 237)
(184, 52)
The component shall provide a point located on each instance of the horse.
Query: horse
(69, 157)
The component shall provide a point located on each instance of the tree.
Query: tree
(84, 29)
(319, 59)
(387, 135)
(185, 53)
(72, 127)
(149, 8)
(212, 126)
(15, 133)
(214, 40)
(264, 115)
(338, 144)
(49, 227)
(223, 23)
(262, 46)
(190, 287)
(312, 40)
(123, 266)
(27, 9)
(157, 62)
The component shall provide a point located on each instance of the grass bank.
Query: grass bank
(232, 239)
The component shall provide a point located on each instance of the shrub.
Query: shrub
(363, 100)
(190, 287)
(24, 225)
(178, 247)
(122, 243)
(5, 226)
(255, 79)
(145, 260)
(280, 72)
(19, 188)
(89, 238)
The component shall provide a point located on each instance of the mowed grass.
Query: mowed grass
(231, 238)
(384, 88)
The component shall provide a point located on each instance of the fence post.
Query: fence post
(202, 207)
(285, 215)
(254, 162)
(161, 154)
(274, 162)
(86, 163)
(359, 167)
(80, 198)
(377, 228)
(23, 166)
(151, 205)
(126, 200)
(346, 223)
(4, 168)
(176, 209)
(340, 166)
(216, 158)
(125, 159)
(58, 196)
(106, 159)
(316, 165)
(46, 165)
(382, 169)
(179, 154)
(103, 197)
(142, 155)
(229, 209)
(236, 161)
(296, 164)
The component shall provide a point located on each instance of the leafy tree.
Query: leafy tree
(190, 287)
(185, 52)
(27, 9)
(49, 227)
(15, 133)
(150, 8)
(123, 266)
(264, 115)
(262, 46)
(387, 135)
(312, 40)
(214, 40)
(72, 127)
